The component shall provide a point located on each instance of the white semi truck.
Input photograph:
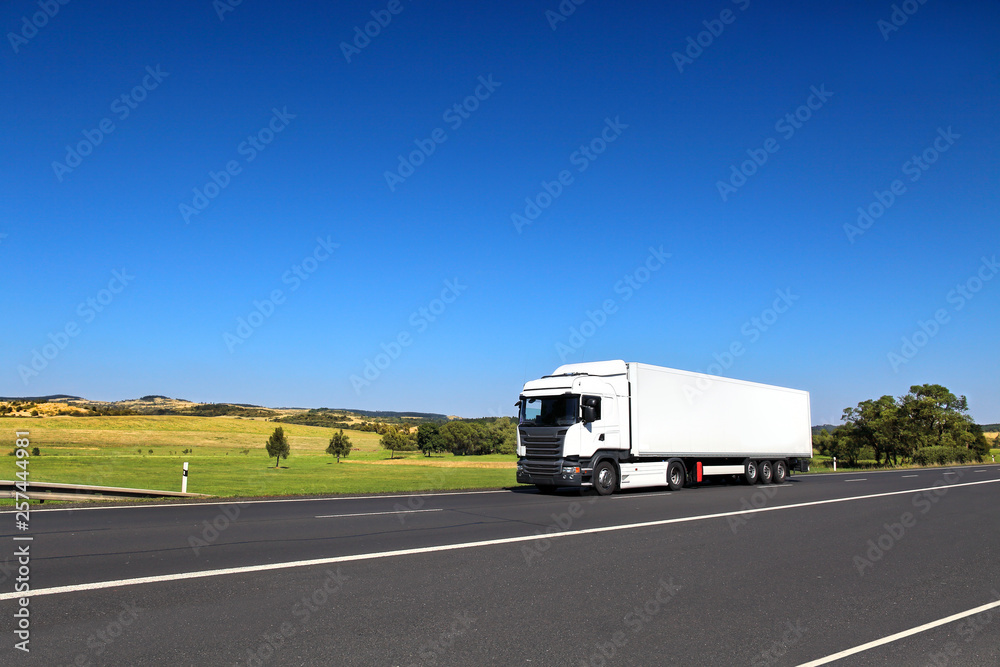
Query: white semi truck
(614, 425)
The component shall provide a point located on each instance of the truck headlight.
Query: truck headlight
(571, 469)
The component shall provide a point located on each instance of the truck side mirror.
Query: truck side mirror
(589, 414)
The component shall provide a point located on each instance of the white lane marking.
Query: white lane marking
(337, 516)
(879, 472)
(639, 495)
(257, 502)
(862, 479)
(452, 547)
(905, 476)
(983, 470)
(901, 635)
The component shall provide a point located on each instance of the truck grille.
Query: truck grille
(541, 467)
(542, 446)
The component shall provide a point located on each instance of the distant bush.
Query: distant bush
(941, 455)
(223, 409)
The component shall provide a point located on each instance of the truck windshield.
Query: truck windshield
(549, 411)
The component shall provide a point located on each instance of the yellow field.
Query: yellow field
(96, 435)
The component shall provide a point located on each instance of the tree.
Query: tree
(979, 445)
(277, 446)
(340, 445)
(457, 437)
(822, 442)
(429, 438)
(876, 424)
(846, 446)
(396, 441)
(503, 436)
(896, 429)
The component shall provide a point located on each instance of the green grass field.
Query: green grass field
(227, 458)
(821, 464)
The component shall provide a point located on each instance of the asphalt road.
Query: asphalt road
(712, 575)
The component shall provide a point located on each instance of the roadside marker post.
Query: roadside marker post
(184, 479)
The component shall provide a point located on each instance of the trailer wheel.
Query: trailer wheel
(780, 472)
(750, 473)
(547, 489)
(675, 476)
(766, 472)
(605, 478)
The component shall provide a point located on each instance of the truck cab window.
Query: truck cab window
(549, 411)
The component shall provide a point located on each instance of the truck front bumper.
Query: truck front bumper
(553, 473)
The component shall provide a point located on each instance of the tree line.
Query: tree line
(461, 437)
(928, 425)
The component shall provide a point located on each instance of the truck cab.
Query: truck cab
(567, 421)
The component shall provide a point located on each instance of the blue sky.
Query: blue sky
(227, 163)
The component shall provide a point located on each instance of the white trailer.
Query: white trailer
(614, 425)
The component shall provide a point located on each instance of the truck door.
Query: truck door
(606, 430)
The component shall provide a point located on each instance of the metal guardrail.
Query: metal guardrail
(52, 491)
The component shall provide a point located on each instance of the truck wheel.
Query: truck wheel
(605, 478)
(750, 473)
(675, 476)
(780, 472)
(766, 472)
(547, 489)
